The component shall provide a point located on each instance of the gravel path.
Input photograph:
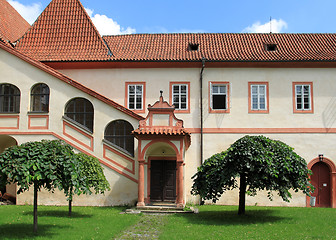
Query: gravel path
(148, 227)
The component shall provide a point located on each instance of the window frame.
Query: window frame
(39, 95)
(311, 97)
(85, 114)
(171, 96)
(14, 98)
(125, 137)
(143, 96)
(250, 98)
(227, 97)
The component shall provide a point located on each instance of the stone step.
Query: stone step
(159, 210)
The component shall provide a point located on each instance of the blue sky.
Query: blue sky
(234, 16)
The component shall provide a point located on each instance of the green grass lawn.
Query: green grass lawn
(222, 222)
(213, 222)
(16, 222)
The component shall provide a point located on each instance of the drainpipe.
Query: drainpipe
(201, 105)
(201, 113)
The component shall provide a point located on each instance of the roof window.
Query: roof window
(271, 47)
(193, 46)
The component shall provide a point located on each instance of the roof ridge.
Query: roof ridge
(96, 30)
(65, 31)
(13, 25)
(69, 81)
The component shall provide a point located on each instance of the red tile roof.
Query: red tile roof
(64, 32)
(223, 47)
(69, 81)
(162, 131)
(12, 24)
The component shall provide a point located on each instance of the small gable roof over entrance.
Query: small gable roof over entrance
(161, 121)
(64, 32)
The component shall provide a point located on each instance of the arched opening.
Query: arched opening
(80, 110)
(162, 178)
(324, 181)
(119, 134)
(39, 96)
(9, 191)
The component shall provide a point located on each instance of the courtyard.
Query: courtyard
(212, 222)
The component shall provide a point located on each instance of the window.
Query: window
(81, 111)
(40, 98)
(219, 97)
(119, 133)
(271, 47)
(303, 97)
(193, 46)
(179, 96)
(9, 98)
(135, 93)
(258, 97)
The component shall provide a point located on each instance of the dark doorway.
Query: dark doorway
(163, 180)
(321, 181)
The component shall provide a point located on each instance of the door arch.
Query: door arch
(7, 141)
(324, 181)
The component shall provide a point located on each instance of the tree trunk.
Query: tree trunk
(35, 207)
(70, 207)
(242, 191)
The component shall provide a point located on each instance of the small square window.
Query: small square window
(193, 46)
(271, 47)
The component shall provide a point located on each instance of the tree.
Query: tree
(51, 164)
(88, 176)
(260, 163)
(31, 164)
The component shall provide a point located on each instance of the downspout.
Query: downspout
(201, 105)
(201, 113)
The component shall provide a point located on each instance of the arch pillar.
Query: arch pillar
(180, 192)
(141, 184)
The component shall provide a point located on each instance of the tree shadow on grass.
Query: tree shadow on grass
(25, 231)
(231, 217)
(58, 213)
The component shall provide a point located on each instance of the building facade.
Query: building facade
(62, 80)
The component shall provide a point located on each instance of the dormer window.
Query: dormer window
(193, 46)
(271, 47)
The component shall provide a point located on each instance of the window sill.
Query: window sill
(138, 110)
(259, 111)
(303, 111)
(119, 149)
(38, 113)
(219, 110)
(10, 113)
(78, 125)
(182, 111)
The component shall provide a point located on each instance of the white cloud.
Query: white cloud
(28, 12)
(275, 26)
(106, 25)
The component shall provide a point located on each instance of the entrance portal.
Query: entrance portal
(321, 181)
(163, 180)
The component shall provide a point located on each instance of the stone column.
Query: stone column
(141, 184)
(179, 200)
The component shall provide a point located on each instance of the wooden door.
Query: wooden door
(321, 181)
(163, 180)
